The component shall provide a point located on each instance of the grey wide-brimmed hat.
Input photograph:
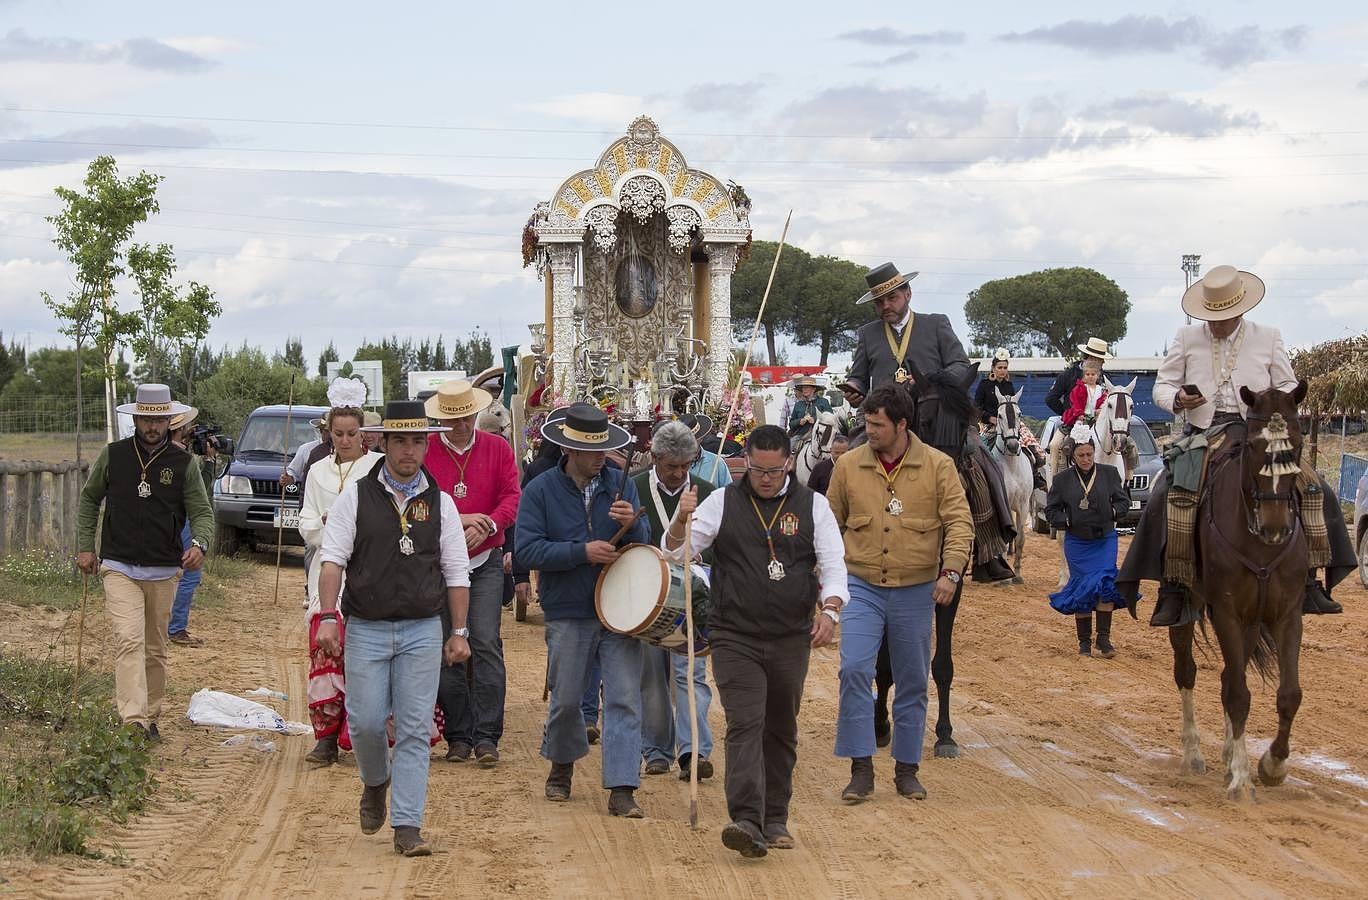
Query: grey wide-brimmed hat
(882, 279)
(154, 400)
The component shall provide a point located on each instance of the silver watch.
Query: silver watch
(833, 615)
(461, 633)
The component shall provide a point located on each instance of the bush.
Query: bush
(67, 765)
(40, 577)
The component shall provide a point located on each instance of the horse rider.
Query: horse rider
(985, 400)
(1199, 380)
(902, 346)
(807, 406)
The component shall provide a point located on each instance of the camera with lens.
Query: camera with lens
(203, 438)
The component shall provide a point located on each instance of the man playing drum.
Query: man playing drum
(566, 520)
(665, 721)
(777, 549)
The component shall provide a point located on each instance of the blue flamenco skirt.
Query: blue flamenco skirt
(1092, 575)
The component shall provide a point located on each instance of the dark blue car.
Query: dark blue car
(247, 498)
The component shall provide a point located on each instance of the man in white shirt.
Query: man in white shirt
(777, 549)
(1200, 380)
(399, 540)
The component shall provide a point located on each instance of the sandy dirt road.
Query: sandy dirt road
(1068, 785)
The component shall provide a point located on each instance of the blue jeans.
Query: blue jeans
(472, 693)
(665, 705)
(185, 591)
(571, 645)
(392, 669)
(589, 703)
(906, 614)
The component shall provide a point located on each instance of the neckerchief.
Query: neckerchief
(410, 488)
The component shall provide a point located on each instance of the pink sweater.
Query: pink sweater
(490, 476)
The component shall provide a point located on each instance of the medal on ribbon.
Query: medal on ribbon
(899, 349)
(144, 489)
(460, 490)
(776, 570)
(406, 545)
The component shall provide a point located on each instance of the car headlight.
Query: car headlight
(237, 484)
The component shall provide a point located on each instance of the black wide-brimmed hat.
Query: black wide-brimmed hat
(403, 416)
(583, 426)
(701, 425)
(882, 279)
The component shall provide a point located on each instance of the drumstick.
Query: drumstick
(623, 530)
(693, 701)
(626, 470)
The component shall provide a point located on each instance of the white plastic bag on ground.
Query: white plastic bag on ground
(230, 711)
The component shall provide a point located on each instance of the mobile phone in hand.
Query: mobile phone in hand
(1192, 390)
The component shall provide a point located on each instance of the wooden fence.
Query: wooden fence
(38, 503)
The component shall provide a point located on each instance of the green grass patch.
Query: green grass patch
(222, 584)
(67, 765)
(40, 578)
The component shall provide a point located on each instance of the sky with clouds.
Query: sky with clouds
(348, 171)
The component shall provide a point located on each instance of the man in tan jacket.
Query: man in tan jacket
(907, 532)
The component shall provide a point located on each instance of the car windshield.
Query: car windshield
(266, 435)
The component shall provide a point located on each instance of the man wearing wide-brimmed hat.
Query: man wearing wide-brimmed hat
(149, 488)
(921, 350)
(808, 404)
(398, 538)
(478, 471)
(1200, 379)
(566, 520)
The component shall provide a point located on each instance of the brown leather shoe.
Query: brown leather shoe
(457, 751)
(409, 841)
(487, 755)
(905, 780)
(778, 837)
(558, 782)
(324, 752)
(658, 767)
(622, 802)
(861, 786)
(185, 640)
(373, 807)
(744, 838)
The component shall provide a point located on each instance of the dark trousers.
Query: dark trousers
(760, 683)
(472, 693)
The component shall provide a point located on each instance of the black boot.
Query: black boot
(558, 782)
(1171, 609)
(1084, 625)
(1104, 644)
(999, 570)
(1317, 601)
(324, 752)
(861, 785)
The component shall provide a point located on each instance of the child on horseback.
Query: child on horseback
(985, 399)
(1085, 400)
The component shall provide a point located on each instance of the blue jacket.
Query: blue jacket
(553, 531)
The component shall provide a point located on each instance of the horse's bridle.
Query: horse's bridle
(1118, 436)
(1005, 435)
(1253, 518)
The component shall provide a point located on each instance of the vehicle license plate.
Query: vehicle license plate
(1135, 504)
(291, 517)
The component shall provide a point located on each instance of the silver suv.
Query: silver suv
(1361, 527)
(1151, 464)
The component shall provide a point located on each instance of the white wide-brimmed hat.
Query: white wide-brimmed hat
(456, 400)
(154, 400)
(1095, 347)
(1223, 293)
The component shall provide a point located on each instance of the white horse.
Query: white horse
(816, 446)
(1004, 445)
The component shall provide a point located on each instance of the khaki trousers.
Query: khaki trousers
(138, 615)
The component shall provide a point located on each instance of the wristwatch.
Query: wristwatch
(196, 542)
(461, 633)
(952, 575)
(833, 615)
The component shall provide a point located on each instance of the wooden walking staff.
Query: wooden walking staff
(280, 528)
(80, 635)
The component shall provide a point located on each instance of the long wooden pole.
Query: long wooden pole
(280, 526)
(80, 637)
(693, 701)
(750, 346)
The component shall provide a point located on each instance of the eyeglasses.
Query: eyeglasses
(775, 472)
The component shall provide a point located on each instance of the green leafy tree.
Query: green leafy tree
(246, 379)
(294, 354)
(825, 314)
(175, 320)
(748, 289)
(472, 355)
(328, 355)
(439, 356)
(1053, 310)
(44, 387)
(12, 360)
(423, 356)
(92, 229)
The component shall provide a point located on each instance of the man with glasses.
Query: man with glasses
(777, 549)
(665, 678)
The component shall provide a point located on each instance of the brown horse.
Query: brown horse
(1252, 561)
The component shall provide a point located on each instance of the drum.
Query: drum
(642, 595)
